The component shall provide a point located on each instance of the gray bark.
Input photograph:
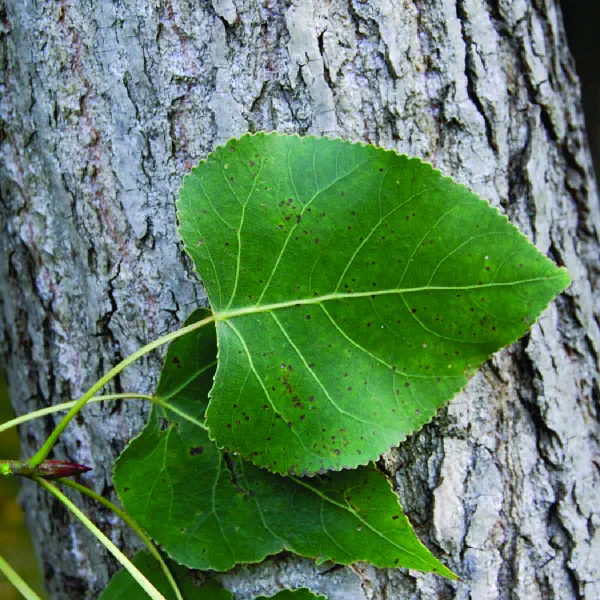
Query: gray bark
(105, 105)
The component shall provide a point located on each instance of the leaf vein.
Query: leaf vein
(357, 516)
(316, 378)
(428, 232)
(255, 372)
(239, 231)
(255, 309)
(373, 230)
(295, 225)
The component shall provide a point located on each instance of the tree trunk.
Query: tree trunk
(105, 106)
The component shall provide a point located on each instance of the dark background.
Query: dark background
(581, 21)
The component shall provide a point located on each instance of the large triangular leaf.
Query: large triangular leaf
(124, 587)
(355, 290)
(211, 510)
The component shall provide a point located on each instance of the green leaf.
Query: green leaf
(355, 291)
(123, 587)
(300, 594)
(211, 510)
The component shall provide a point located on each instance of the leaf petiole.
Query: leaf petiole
(43, 452)
(67, 405)
(133, 570)
(36, 414)
(132, 523)
(17, 581)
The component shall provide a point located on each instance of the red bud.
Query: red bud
(55, 469)
(49, 469)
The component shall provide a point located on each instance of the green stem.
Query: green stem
(43, 452)
(133, 570)
(133, 524)
(66, 406)
(16, 580)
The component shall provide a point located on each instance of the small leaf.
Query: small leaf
(123, 587)
(355, 291)
(211, 510)
(299, 594)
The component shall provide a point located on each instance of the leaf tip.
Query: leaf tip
(448, 574)
(565, 278)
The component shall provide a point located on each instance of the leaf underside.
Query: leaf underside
(355, 291)
(299, 594)
(211, 510)
(124, 587)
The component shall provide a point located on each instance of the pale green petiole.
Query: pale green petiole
(127, 564)
(43, 452)
(133, 524)
(16, 580)
(68, 405)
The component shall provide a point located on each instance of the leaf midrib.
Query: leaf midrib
(326, 498)
(255, 309)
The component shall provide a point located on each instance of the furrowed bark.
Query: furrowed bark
(106, 105)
